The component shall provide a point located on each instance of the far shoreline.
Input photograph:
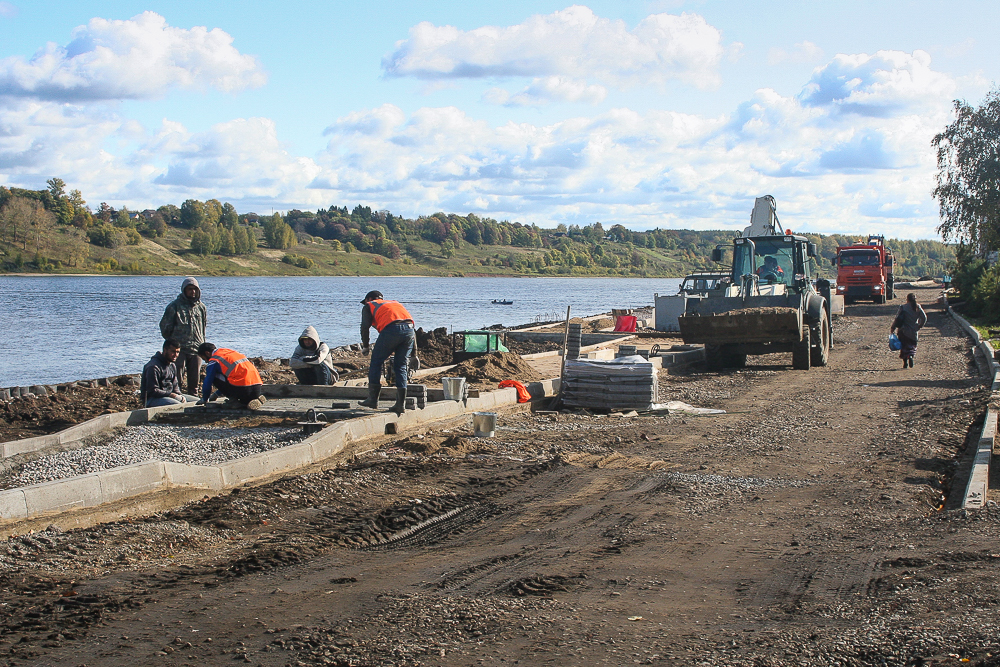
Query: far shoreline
(375, 276)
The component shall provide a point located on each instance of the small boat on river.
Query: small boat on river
(502, 302)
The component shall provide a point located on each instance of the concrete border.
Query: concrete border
(979, 476)
(94, 489)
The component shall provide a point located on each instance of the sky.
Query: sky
(661, 113)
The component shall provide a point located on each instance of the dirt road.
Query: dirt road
(803, 527)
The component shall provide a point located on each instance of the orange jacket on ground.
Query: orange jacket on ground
(385, 313)
(236, 368)
(522, 392)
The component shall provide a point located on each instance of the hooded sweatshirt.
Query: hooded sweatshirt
(158, 379)
(321, 352)
(185, 319)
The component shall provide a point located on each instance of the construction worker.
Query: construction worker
(395, 337)
(184, 321)
(232, 374)
(770, 270)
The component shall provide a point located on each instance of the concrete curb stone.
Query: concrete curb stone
(979, 476)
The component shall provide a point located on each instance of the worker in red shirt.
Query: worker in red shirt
(395, 337)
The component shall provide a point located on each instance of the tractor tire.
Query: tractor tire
(879, 299)
(801, 351)
(713, 358)
(820, 353)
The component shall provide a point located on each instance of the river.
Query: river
(62, 328)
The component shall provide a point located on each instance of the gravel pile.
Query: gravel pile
(195, 445)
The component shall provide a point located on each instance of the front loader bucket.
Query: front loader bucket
(743, 325)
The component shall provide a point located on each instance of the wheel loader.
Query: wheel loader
(769, 302)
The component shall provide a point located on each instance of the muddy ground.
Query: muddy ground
(809, 525)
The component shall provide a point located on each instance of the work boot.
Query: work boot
(400, 405)
(372, 400)
(255, 404)
(911, 362)
(905, 363)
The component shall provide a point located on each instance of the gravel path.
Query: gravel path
(195, 445)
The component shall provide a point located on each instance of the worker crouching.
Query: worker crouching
(395, 336)
(232, 374)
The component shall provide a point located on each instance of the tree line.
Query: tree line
(28, 217)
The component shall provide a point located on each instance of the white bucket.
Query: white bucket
(484, 424)
(454, 388)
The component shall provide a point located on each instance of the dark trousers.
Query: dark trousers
(398, 340)
(241, 394)
(188, 365)
(909, 349)
(318, 374)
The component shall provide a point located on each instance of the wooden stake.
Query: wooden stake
(562, 369)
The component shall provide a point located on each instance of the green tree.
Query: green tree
(78, 250)
(57, 187)
(229, 217)
(968, 179)
(192, 213)
(277, 233)
(202, 242)
(213, 211)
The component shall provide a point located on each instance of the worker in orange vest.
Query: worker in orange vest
(232, 374)
(395, 337)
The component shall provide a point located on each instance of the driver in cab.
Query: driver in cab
(770, 271)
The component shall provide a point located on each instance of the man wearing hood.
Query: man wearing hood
(311, 360)
(184, 321)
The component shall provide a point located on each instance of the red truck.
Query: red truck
(864, 271)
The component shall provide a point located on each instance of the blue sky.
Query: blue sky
(649, 114)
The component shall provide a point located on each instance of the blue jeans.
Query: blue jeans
(166, 400)
(318, 374)
(398, 340)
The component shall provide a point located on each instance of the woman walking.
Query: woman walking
(909, 319)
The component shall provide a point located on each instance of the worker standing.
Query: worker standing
(184, 321)
(395, 336)
(232, 374)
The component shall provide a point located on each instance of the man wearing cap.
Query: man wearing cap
(395, 337)
(232, 374)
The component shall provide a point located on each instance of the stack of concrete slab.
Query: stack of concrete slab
(419, 393)
(622, 383)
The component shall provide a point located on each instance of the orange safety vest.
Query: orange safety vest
(236, 368)
(385, 313)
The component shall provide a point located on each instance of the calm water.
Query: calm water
(58, 329)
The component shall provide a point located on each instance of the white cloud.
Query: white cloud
(830, 171)
(803, 52)
(548, 89)
(140, 58)
(884, 84)
(7, 10)
(573, 43)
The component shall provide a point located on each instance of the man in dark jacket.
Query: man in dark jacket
(184, 320)
(159, 384)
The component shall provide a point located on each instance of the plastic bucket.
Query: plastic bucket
(454, 388)
(484, 424)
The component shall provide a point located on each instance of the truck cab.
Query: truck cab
(865, 271)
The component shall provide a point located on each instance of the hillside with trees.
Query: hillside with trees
(57, 232)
